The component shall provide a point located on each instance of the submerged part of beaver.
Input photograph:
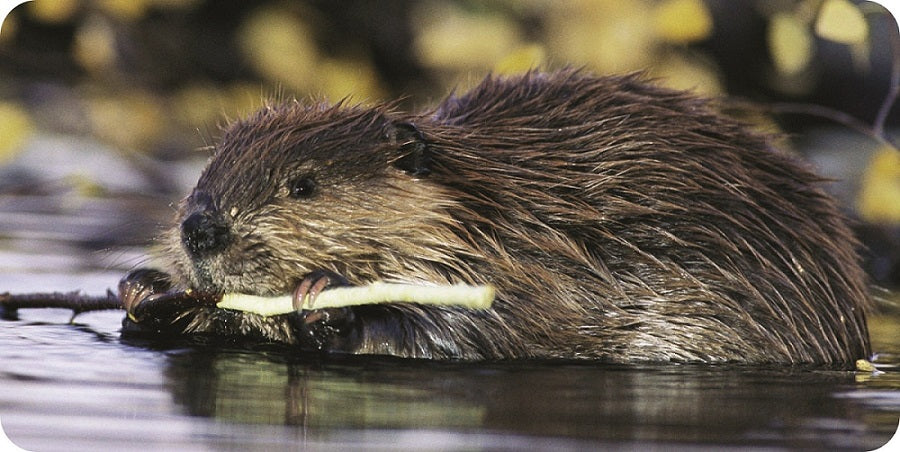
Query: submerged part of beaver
(617, 220)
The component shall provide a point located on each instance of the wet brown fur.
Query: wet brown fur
(618, 221)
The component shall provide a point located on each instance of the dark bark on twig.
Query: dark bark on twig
(75, 301)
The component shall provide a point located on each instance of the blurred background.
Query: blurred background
(108, 107)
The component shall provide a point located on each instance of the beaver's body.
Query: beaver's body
(617, 221)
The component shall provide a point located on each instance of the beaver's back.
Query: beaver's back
(629, 222)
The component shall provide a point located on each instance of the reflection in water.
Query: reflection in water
(272, 389)
(81, 387)
(669, 404)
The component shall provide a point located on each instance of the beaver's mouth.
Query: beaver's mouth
(221, 274)
(201, 278)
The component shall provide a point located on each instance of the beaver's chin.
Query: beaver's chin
(207, 277)
(249, 284)
(229, 271)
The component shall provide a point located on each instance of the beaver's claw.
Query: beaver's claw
(151, 304)
(139, 285)
(320, 328)
(312, 285)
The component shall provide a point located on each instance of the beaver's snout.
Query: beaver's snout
(205, 233)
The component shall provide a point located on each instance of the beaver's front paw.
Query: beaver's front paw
(324, 329)
(139, 285)
(151, 304)
(320, 329)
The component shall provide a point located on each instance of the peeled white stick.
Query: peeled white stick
(472, 297)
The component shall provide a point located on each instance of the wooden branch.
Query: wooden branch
(75, 301)
(471, 297)
(169, 303)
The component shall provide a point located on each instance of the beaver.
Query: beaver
(618, 221)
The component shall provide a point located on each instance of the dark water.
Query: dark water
(80, 387)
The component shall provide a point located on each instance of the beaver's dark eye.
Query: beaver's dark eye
(302, 187)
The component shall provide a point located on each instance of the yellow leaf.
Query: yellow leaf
(130, 122)
(682, 72)
(683, 21)
(280, 46)
(462, 40)
(339, 78)
(606, 36)
(521, 60)
(879, 197)
(124, 9)
(841, 21)
(95, 45)
(54, 12)
(15, 128)
(790, 43)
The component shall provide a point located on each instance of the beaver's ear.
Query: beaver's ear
(414, 152)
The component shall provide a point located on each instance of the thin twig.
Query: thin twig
(828, 113)
(75, 301)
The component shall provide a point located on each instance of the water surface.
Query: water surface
(65, 387)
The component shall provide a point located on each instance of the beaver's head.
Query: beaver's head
(296, 188)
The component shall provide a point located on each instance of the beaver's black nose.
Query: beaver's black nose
(205, 233)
